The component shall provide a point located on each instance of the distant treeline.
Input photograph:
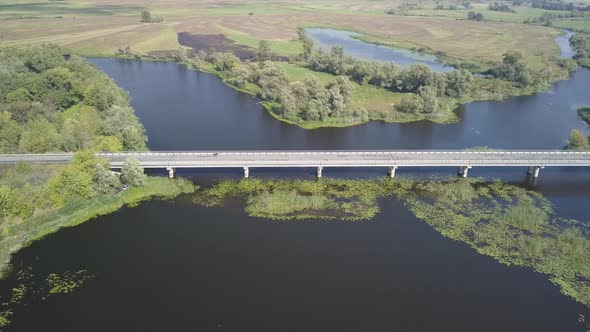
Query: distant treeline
(500, 7)
(581, 44)
(391, 76)
(546, 18)
(558, 5)
(51, 100)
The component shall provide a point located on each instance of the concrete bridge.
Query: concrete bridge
(464, 160)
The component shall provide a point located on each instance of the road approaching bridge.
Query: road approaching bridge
(170, 160)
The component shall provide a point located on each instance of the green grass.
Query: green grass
(578, 24)
(280, 47)
(166, 39)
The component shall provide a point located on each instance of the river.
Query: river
(328, 38)
(175, 266)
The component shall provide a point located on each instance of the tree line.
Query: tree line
(558, 5)
(580, 42)
(423, 86)
(309, 100)
(500, 7)
(27, 188)
(51, 100)
(455, 84)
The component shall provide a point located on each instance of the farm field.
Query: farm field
(100, 27)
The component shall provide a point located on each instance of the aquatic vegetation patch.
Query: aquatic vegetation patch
(32, 289)
(299, 199)
(513, 225)
(66, 282)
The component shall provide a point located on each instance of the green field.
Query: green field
(577, 24)
(521, 13)
(100, 27)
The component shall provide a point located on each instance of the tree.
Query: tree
(105, 180)
(132, 173)
(39, 136)
(429, 99)
(73, 183)
(122, 123)
(307, 48)
(342, 85)
(108, 144)
(146, 16)
(473, 16)
(264, 52)
(336, 60)
(271, 79)
(577, 139)
(512, 58)
(410, 103)
(9, 133)
(412, 78)
(459, 83)
(6, 200)
(240, 75)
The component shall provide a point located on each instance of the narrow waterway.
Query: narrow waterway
(327, 38)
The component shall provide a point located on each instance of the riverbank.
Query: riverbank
(18, 233)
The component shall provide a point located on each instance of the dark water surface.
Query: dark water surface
(183, 109)
(174, 266)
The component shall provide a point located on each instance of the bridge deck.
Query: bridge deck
(213, 159)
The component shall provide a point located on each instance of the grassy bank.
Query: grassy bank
(508, 223)
(17, 233)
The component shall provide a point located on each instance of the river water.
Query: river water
(327, 38)
(174, 266)
(183, 109)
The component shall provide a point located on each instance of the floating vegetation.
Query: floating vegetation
(31, 289)
(511, 224)
(66, 282)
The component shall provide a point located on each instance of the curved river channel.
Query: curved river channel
(174, 266)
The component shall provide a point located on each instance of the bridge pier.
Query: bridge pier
(320, 168)
(170, 172)
(391, 171)
(534, 171)
(463, 170)
(246, 172)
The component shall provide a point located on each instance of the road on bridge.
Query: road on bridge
(171, 160)
(211, 159)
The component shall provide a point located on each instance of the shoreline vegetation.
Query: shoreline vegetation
(53, 100)
(37, 200)
(513, 225)
(318, 89)
(577, 140)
